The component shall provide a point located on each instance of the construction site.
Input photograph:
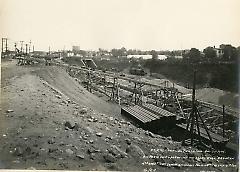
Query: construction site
(78, 117)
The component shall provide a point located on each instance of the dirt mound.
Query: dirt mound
(219, 97)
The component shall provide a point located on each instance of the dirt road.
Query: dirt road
(49, 121)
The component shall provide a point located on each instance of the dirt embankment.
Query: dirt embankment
(48, 121)
(60, 80)
(221, 76)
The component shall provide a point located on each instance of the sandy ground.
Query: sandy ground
(49, 121)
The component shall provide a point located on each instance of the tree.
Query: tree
(154, 55)
(238, 54)
(119, 52)
(194, 55)
(229, 52)
(210, 53)
(123, 51)
(114, 52)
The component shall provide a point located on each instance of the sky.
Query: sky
(133, 24)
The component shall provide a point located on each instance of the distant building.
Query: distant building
(105, 57)
(89, 53)
(223, 46)
(178, 57)
(160, 57)
(39, 53)
(70, 54)
(184, 52)
(75, 48)
(219, 51)
(140, 56)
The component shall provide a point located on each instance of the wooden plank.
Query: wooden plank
(215, 137)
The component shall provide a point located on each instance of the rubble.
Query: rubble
(69, 151)
(117, 152)
(150, 134)
(135, 151)
(99, 134)
(9, 111)
(128, 141)
(70, 125)
(83, 110)
(80, 156)
(75, 113)
(76, 127)
(109, 158)
(51, 141)
(58, 96)
(18, 151)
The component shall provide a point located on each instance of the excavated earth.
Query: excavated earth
(49, 121)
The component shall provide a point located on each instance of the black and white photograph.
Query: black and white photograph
(119, 85)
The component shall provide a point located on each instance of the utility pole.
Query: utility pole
(4, 44)
(193, 119)
(15, 46)
(30, 46)
(26, 48)
(21, 46)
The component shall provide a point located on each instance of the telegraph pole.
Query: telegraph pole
(15, 45)
(21, 46)
(26, 48)
(4, 43)
(30, 46)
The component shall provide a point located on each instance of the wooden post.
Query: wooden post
(156, 98)
(191, 119)
(118, 94)
(113, 89)
(223, 120)
(197, 122)
(135, 93)
(205, 127)
(193, 108)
